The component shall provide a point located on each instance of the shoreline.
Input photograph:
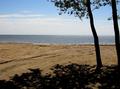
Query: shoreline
(108, 44)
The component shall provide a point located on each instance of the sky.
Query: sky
(40, 17)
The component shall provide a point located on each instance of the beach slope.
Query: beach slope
(16, 58)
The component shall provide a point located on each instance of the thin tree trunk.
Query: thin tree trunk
(116, 30)
(96, 40)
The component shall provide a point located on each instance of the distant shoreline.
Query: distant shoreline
(52, 43)
(54, 39)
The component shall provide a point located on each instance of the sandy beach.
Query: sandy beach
(16, 58)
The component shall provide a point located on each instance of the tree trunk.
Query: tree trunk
(116, 30)
(96, 40)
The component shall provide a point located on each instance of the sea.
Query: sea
(55, 39)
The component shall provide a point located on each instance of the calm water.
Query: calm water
(53, 39)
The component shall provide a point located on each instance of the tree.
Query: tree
(81, 8)
(118, 17)
(115, 17)
(116, 29)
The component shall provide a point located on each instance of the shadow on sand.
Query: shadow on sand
(72, 76)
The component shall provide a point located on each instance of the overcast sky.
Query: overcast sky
(41, 17)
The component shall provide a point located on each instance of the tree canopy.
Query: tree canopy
(99, 3)
(76, 7)
(110, 18)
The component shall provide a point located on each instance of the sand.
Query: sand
(16, 58)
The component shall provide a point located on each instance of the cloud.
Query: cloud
(3, 16)
(43, 24)
(26, 12)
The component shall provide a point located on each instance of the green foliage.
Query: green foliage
(78, 7)
(110, 18)
(75, 7)
(118, 17)
(99, 3)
